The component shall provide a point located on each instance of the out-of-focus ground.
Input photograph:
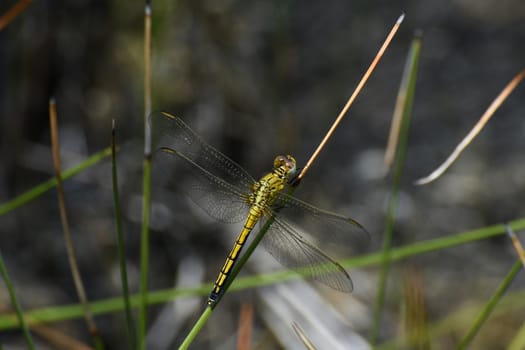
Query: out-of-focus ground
(259, 78)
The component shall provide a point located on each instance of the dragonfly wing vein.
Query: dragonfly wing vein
(322, 224)
(288, 247)
(218, 198)
(171, 132)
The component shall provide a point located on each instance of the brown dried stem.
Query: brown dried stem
(245, 327)
(65, 225)
(13, 12)
(517, 244)
(352, 97)
(504, 94)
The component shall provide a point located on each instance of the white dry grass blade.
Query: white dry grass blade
(298, 301)
(474, 132)
(516, 243)
(303, 337)
(175, 314)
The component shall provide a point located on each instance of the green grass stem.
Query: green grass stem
(144, 254)
(66, 228)
(18, 309)
(120, 244)
(489, 307)
(39, 190)
(65, 312)
(196, 328)
(405, 99)
(146, 184)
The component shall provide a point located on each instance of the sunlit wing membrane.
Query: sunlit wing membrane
(288, 247)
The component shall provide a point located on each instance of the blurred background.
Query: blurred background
(256, 79)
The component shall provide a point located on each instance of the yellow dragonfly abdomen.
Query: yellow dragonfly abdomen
(263, 195)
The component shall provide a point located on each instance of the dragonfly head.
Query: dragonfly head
(286, 163)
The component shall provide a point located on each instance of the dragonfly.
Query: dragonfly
(224, 190)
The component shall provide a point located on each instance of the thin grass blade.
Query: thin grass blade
(16, 305)
(415, 312)
(111, 305)
(407, 91)
(303, 337)
(146, 183)
(516, 243)
(354, 95)
(71, 254)
(13, 12)
(120, 243)
(504, 94)
(39, 190)
(491, 304)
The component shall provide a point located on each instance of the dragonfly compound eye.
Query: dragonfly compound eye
(290, 163)
(278, 161)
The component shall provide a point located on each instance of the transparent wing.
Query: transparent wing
(220, 187)
(322, 224)
(171, 132)
(288, 247)
(220, 199)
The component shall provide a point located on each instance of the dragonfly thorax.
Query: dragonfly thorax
(266, 189)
